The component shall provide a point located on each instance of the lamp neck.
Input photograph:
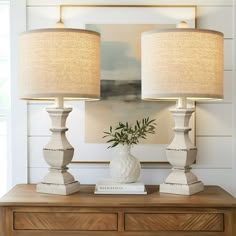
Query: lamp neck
(59, 102)
(181, 103)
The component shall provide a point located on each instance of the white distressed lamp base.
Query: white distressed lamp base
(58, 153)
(60, 189)
(182, 189)
(181, 154)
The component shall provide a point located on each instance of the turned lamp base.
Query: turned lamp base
(181, 154)
(58, 153)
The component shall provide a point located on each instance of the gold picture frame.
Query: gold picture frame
(80, 15)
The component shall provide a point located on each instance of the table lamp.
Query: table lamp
(58, 64)
(182, 64)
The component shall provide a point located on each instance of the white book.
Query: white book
(120, 192)
(107, 185)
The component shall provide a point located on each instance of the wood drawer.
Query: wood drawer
(65, 221)
(174, 222)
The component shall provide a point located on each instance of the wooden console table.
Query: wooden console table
(23, 212)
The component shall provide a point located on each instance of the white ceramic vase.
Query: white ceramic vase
(124, 167)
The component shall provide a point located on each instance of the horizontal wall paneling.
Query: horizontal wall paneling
(216, 18)
(214, 119)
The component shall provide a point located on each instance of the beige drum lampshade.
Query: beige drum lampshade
(60, 63)
(182, 63)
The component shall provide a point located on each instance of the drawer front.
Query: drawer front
(64, 221)
(174, 222)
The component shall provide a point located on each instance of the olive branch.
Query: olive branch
(128, 134)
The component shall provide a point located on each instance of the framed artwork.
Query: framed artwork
(121, 27)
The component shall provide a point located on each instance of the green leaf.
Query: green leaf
(138, 124)
(115, 144)
(107, 133)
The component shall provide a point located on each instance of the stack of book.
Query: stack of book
(107, 186)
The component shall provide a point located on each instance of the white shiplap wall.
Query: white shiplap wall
(17, 161)
(213, 120)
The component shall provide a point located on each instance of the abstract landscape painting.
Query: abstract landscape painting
(121, 85)
(121, 59)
